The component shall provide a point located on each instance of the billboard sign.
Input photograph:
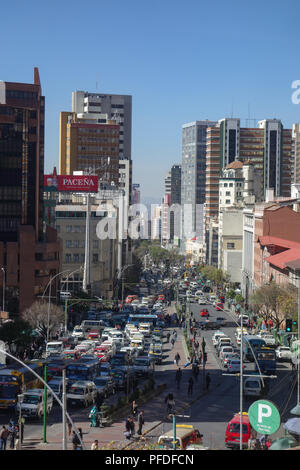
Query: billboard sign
(74, 183)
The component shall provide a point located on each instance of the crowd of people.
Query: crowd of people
(11, 435)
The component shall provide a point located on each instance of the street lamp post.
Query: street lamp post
(3, 290)
(20, 401)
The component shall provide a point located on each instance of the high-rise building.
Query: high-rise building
(193, 175)
(176, 184)
(296, 153)
(268, 147)
(118, 108)
(89, 145)
(29, 252)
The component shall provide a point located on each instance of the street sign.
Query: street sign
(264, 417)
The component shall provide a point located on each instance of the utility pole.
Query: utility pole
(45, 407)
(64, 409)
(296, 409)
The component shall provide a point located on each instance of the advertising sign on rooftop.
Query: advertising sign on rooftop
(74, 183)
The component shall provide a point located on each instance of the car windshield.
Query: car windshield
(31, 399)
(8, 391)
(141, 362)
(77, 390)
(100, 381)
(235, 428)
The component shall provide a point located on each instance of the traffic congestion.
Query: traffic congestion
(115, 350)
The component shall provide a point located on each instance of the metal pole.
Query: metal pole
(64, 443)
(45, 407)
(86, 273)
(174, 432)
(66, 315)
(3, 291)
(49, 310)
(241, 387)
(20, 427)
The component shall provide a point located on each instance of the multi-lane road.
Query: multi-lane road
(212, 412)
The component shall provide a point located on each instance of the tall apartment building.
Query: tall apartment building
(268, 147)
(87, 144)
(176, 184)
(118, 108)
(29, 253)
(193, 175)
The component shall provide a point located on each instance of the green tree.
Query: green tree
(18, 332)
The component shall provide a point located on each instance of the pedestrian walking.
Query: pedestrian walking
(141, 422)
(69, 424)
(12, 434)
(169, 400)
(208, 380)
(94, 445)
(178, 377)
(190, 388)
(172, 342)
(17, 437)
(129, 428)
(75, 440)
(168, 336)
(177, 359)
(4, 433)
(134, 409)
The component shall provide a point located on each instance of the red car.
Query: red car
(219, 306)
(204, 312)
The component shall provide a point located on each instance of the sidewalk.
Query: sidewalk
(112, 437)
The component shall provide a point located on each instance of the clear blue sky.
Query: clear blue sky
(181, 61)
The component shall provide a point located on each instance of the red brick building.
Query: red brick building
(276, 242)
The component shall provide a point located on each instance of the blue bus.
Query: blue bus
(136, 319)
(250, 344)
(266, 360)
(80, 370)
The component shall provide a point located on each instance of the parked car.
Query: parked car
(219, 306)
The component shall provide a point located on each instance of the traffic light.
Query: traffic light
(288, 325)
(295, 324)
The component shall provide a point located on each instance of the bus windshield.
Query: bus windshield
(8, 390)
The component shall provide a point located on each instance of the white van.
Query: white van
(83, 393)
(33, 403)
(54, 347)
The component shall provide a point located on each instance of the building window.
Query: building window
(76, 258)
(69, 228)
(68, 258)
(227, 193)
(95, 243)
(230, 246)
(227, 201)
(68, 243)
(225, 185)
(95, 258)
(231, 185)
